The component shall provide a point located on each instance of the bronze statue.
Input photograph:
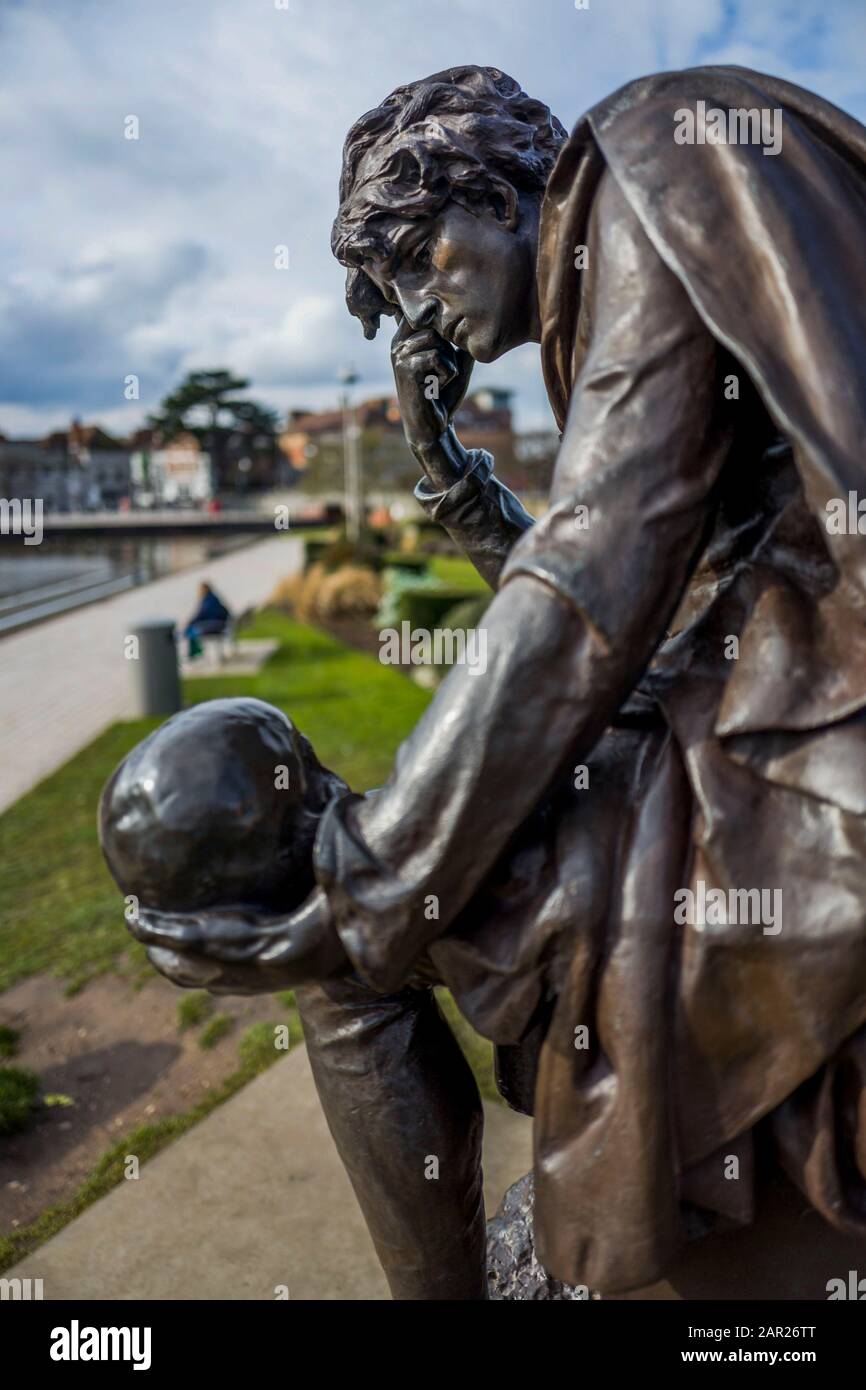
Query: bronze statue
(675, 696)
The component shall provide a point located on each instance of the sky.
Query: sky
(155, 256)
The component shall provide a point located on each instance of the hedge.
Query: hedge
(426, 607)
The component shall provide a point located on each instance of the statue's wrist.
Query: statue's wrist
(444, 460)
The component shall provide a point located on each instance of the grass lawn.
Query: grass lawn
(61, 914)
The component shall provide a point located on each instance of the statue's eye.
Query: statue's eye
(421, 259)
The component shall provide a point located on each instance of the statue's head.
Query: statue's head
(220, 805)
(439, 199)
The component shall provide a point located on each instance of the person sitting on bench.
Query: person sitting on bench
(210, 618)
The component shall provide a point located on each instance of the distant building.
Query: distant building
(79, 469)
(312, 442)
(250, 459)
(535, 453)
(31, 469)
(484, 421)
(99, 468)
(172, 474)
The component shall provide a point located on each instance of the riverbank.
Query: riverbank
(64, 574)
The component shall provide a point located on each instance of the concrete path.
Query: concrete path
(63, 681)
(252, 1198)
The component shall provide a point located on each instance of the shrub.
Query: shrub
(402, 560)
(397, 581)
(351, 590)
(468, 613)
(463, 616)
(308, 592)
(341, 552)
(314, 549)
(285, 595)
(425, 608)
(413, 565)
(333, 554)
(18, 1092)
(298, 593)
(9, 1038)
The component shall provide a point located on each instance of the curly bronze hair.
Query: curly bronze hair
(444, 138)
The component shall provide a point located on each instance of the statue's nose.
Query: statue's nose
(420, 312)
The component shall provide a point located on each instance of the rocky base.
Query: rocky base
(513, 1270)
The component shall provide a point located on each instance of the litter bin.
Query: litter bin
(156, 675)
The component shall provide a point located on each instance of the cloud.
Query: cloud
(157, 254)
(67, 334)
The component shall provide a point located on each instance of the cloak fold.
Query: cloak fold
(707, 1031)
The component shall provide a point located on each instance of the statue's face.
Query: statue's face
(470, 277)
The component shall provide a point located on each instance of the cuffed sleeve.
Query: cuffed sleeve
(480, 514)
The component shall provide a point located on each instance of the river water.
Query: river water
(43, 580)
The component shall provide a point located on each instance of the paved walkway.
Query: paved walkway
(252, 1198)
(63, 681)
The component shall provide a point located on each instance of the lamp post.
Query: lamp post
(353, 499)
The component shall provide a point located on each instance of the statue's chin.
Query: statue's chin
(480, 346)
(479, 349)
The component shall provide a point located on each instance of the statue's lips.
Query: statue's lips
(449, 330)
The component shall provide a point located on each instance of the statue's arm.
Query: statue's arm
(481, 515)
(457, 488)
(579, 613)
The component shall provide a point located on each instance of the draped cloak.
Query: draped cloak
(738, 774)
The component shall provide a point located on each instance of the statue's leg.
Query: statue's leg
(404, 1110)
